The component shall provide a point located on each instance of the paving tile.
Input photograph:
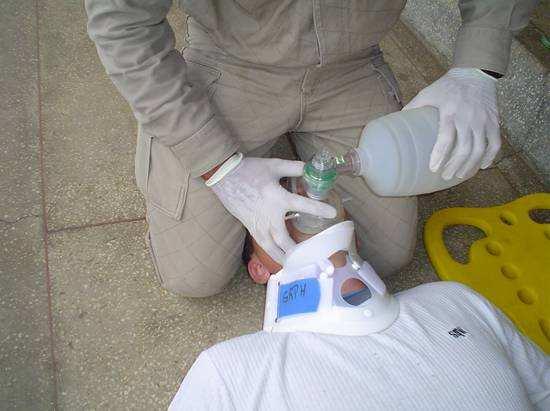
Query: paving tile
(123, 342)
(538, 26)
(429, 67)
(25, 360)
(19, 185)
(537, 149)
(520, 175)
(88, 127)
(487, 188)
(531, 37)
(418, 271)
(506, 149)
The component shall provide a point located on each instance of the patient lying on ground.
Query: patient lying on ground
(443, 346)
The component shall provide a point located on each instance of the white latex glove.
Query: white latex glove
(468, 121)
(252, 193)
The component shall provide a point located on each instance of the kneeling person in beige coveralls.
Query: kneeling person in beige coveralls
(258, 69)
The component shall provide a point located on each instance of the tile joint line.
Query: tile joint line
(99, 224)
(46, 265)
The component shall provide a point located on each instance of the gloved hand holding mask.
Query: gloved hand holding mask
(252, 193)
(469, 133)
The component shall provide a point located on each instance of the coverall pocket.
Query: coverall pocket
(160, 176)
(167, 181)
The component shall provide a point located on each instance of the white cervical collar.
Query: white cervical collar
(305, 295)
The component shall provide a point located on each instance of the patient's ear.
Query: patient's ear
(258, 271)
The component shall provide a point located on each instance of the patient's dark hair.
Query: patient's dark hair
(248, 249)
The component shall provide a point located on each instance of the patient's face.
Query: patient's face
(261, 265)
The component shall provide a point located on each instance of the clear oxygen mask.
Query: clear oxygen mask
(320, 175)
(317, 183)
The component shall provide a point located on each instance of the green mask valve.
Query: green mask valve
(320, 175)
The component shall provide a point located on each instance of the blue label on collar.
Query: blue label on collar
(298, 297)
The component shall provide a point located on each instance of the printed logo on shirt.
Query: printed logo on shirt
(458, 332)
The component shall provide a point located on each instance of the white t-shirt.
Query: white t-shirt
(449, 349)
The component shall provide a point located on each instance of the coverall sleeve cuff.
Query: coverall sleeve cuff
(205, 149)
(483, 47)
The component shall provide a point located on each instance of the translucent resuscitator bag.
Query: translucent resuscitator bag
(305, 295)
(393, 155)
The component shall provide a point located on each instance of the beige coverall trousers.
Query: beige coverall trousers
(195, 243)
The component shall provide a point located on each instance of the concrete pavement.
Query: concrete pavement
(84, 323)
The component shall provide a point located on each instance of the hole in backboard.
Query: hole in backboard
(459, 238)
(540, 215)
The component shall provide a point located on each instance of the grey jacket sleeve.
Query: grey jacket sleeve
(137, 47)
(486, 34)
